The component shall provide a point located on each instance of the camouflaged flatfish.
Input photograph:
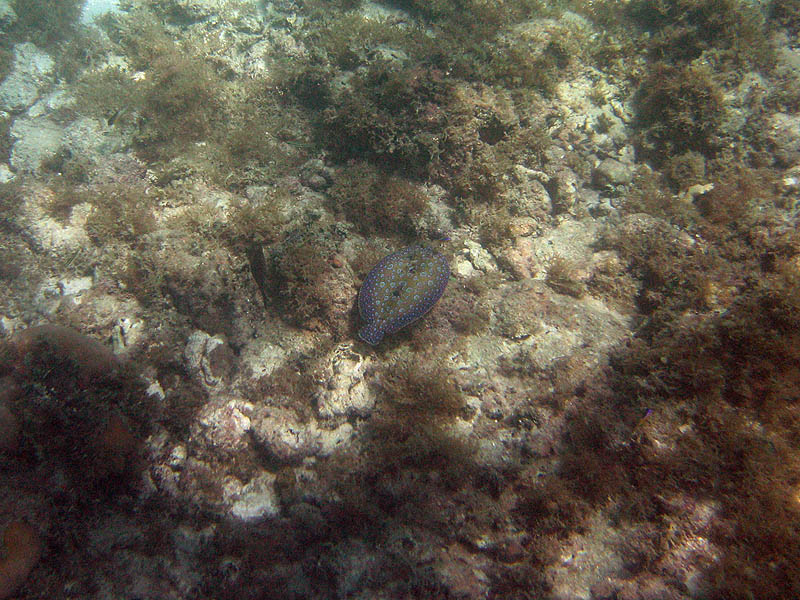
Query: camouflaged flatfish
(399, 290)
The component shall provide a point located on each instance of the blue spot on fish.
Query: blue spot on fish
(399, 290)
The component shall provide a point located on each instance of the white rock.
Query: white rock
(257, 499)
(223, 424)
(196, 354)
(94, 8)
(31, 73)
(36, 141)
(155, 390)
(289, 440)
(75, 286)
(177, 457)
(784, 134)
(50, 234)
(90, 137)
(462, 267)
(261, 357)
(7, 14)
(791, 179)
(6, 174)
(331, 440)
(56, 100)
(8, 325)
(39, 137)
(285, 436)
(346, 392)
(479, 256)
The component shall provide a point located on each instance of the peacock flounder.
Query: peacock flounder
(399, 290)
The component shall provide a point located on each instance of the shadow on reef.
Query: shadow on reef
(77, 404)
(714, 456)
(685, 443)
(392, 517)
(72, 422)
(692, 449)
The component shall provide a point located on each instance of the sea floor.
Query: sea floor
(602, 405)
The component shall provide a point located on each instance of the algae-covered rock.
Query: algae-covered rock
(7, 14)
(345, 393)
(31, 73)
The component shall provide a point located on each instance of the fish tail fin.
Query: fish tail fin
(372, 334)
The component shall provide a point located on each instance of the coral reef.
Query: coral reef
(602, 403)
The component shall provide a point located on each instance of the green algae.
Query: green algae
(46, 22)
(724, 31)
(679, 109)
(376, 201)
